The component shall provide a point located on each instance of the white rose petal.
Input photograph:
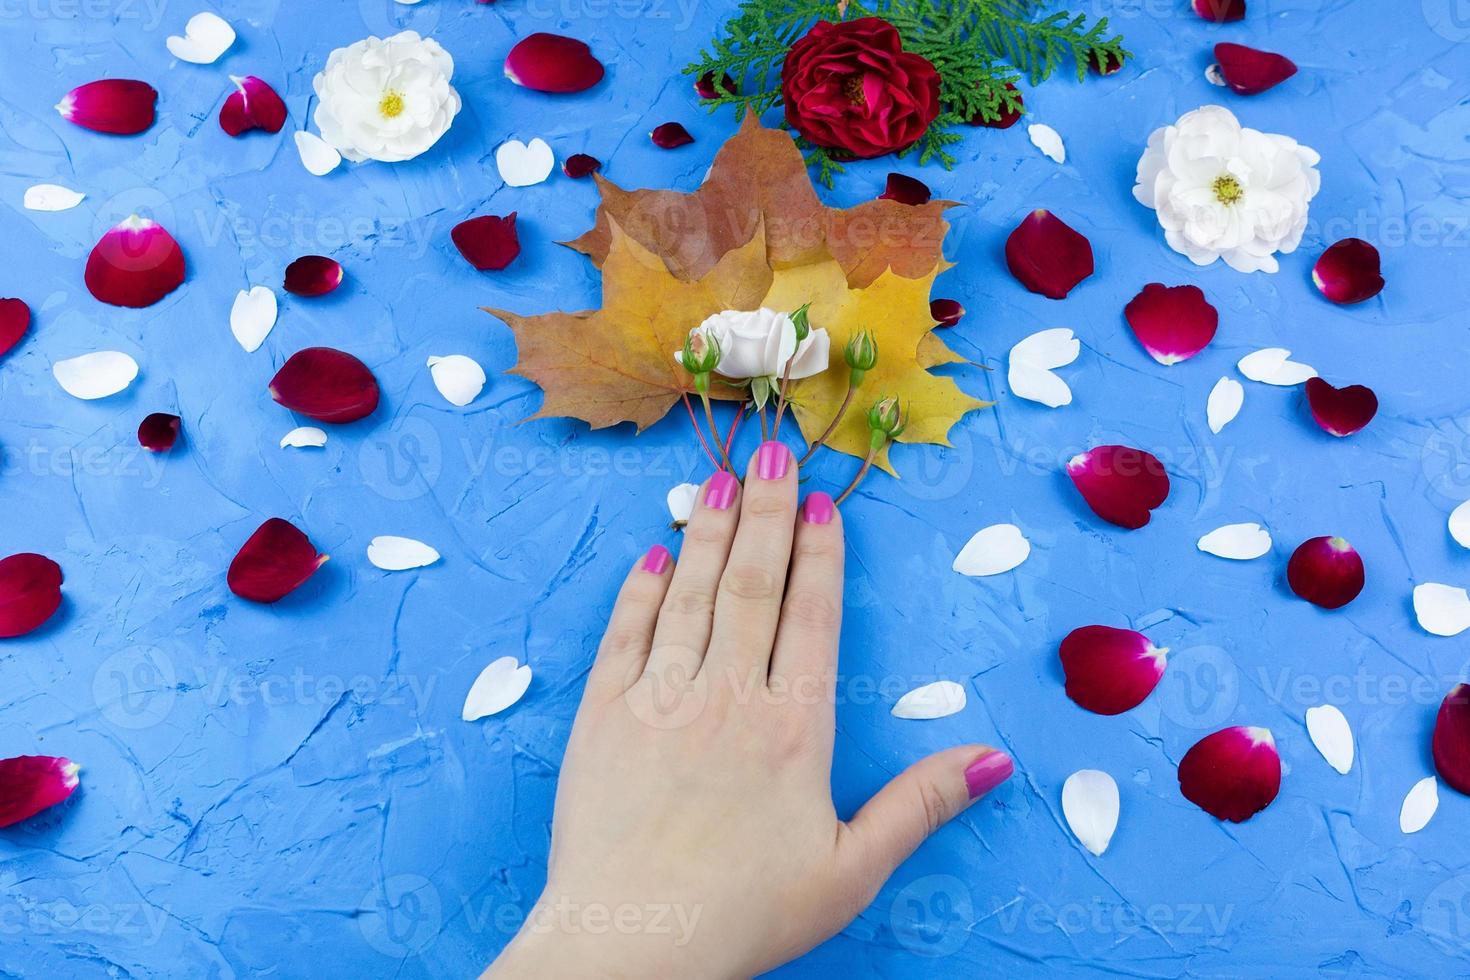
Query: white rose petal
(681, 500)
(317, 156)
(252, 317)
(1272, 366)
(1048, 349)
(937, 700)
(993, 550)
(1419, 805)
(206, 37)
(1214, 76)
(304, 437)
(1048, 141)
(394, 554)
(1238, 542)
(1032, 360)
(1443, 610)
(460, 379)
(386, 99)
(95, 375)
(51, 197)
(1226, 399)
(758, 343)
(499, 686)
(1090, 804)
(1460, 524)
(523, 164)
(1332, 735)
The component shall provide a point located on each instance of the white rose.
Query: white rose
(386, 100)
(758, 343)
(1225, 191)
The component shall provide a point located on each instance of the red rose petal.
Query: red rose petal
(1173, 323)
(1452, 738)
(253, 105)
(273, 562)
(1220, 11)
(1104, 64)
(1008, 116)
(30, 591)
(946, 312)
(1232, 774)
(32, 783)
(552, 63)
(158, 432)
(135, 264)
(15, 319)
(670, 135)
(1121, 485)
(1047, 255)
(326, 384)
(1341, 411)
(313, 275)
(580, 165)
(905, 190)
(1110, 670)
(1349, 272)
(1250, 72)
(704, 86)
(119, 106)
(1326, 571)
(488, 242)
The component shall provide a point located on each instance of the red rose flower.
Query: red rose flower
(852, 87)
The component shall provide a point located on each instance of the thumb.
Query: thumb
(916, 803)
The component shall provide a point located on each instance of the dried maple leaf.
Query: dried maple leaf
(753, 234)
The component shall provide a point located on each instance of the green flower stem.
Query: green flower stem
(709, 414)
(873, 446)
(852, 388)
(781, 397)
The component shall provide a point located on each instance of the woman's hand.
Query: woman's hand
(694, 832)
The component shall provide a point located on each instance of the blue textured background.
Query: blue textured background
(289, 791)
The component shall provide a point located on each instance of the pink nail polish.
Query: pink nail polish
(992, 768)
(720, 493)
(771, 460)
(657, 559)
(817, 509)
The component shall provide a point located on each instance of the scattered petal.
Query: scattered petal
(1031, 366)
(905, 190)
(1238, 542)
(946, 312)
(1451, 742)
(681, 500)
(30, 592)
(1459, 517)
(51, 197)
(1008, 117)
(1349, 272)
(460, 379)
(317, 155)
(158, 432)
(206, 37)
(135, 264)
(1419, 805)
(32, 783)
(1104, 64)
(580, 165)
(1341, 411)
(1443, 610)
(552, 63)
(313, 275)
(253, 316)
(1047, 255)
(499, 686)
(275, 560)
(1326, 572)
(253, 105)
(1090, 804)
(1220, 11)
(1048, 141)
(524, 164)
(1332, 735)
(1173, 323)
(1214, 76)
(304, 437)
(670, 135)
(1038, 385)
(1232, 774)
(993, 550)
(327, 385)
(704, 86)
(1108, 670)
(395, 554)
(119, 106)
(1272, 366)
(1226, 399)
(937, 700)
(1120, 484)
(489, 242)
(15, 320)
(1249, 71)
(96, 375)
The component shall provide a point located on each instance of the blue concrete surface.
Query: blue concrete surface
(288, 791)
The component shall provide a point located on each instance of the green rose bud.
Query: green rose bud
(886, 420)
(861, 355)
(700, 356)
(803, 326)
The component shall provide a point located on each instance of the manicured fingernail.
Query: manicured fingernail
(987, 772)
(720, 493)
(771, 460)
(817, 509)
(657, 559)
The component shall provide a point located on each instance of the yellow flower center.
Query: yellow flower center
(1227, 189)
(852, 87)
(391, 104)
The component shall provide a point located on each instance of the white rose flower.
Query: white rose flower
(1223, 191)
(386, 100)
(758, 343)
